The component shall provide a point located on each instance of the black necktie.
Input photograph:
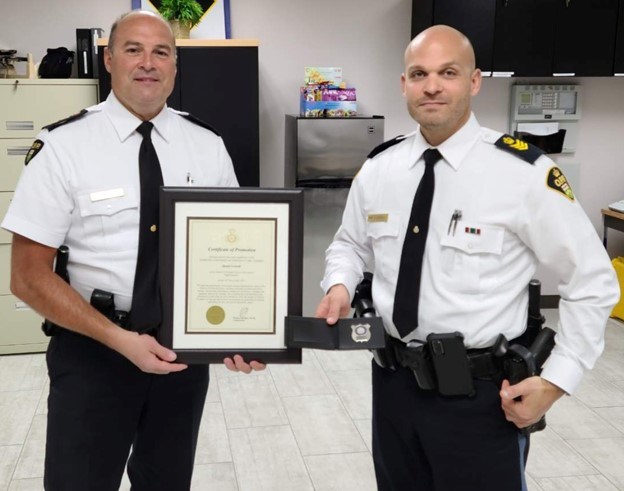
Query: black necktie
(405, 314)
(145, 313)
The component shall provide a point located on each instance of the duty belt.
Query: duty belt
(483, 364)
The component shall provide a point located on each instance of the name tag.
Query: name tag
(379, 217)
(108, 194)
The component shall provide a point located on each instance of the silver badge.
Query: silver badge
(360, 333)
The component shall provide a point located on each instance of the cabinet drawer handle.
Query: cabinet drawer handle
(12, 151)
(20, 125)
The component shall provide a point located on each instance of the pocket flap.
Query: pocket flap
(107, 207)
(474, 238)
(388, 227)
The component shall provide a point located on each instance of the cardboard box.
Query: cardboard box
(338, 94)
(313, 93)
(328, 109)
(319, 74)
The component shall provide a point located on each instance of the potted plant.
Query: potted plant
(182, 15)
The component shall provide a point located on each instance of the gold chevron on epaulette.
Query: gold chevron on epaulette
(526, 151)
(515, 143)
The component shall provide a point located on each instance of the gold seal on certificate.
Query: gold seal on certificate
(215, 315)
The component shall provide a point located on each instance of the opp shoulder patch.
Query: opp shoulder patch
(384, 146)
(73, 117)
(558, 182)
(35, 148)
(526, 151)
(199, 122)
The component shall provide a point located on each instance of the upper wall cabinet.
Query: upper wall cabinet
(527, 38)
(618, 64)
(524, 37)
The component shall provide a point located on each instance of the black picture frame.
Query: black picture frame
(180, 208)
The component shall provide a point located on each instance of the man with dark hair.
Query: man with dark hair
(91, 183)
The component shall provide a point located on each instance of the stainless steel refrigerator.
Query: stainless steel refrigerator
(322, 155)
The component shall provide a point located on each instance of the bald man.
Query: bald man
(112, 385)
(454, 268)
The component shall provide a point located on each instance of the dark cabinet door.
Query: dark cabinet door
(220, 86)
(618, 64)
(585, 40)
(524, 37)
(475, 18)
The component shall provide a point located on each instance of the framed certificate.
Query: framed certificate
(231, 262)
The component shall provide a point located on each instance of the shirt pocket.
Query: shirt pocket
(110, 224)
(470, 253)
(383, 235)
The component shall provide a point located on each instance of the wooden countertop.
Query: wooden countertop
(611, 213)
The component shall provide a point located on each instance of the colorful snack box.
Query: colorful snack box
(312, 93)
(338, 94)
(328, 109)
(318, 75)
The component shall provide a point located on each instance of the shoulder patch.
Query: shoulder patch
(558, 182)
(384, 146)
(73, 117)
(34, 150)
(199, 122)
(526, 151)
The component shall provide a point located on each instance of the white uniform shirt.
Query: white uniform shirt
(476, 283)
(82, 189)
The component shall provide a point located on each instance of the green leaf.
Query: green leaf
(185, 10)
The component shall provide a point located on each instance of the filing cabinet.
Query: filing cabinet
(28, 105)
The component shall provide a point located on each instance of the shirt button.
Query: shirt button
(470, 246)
(153, 228)
(416, 229)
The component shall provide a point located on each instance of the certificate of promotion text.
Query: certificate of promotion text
(231, 275)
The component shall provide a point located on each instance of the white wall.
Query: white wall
(367, 39)
(35, 25)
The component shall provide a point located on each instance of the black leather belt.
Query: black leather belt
(483, 364)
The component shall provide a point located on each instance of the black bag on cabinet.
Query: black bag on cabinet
(57, 63)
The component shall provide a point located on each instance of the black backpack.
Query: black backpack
(57, 63)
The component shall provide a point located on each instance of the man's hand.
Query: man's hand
(237, 364)
(536, 395)
(147, 354)
(334, 305)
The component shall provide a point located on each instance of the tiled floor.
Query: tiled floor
(307, 427)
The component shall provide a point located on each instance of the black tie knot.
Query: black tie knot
(431, 156)
(145, 129)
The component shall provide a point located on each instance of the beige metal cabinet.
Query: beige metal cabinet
(26, 106)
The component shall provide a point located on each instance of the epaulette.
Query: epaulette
(385, 145)
(73, 117)
(526, 151)
(198, 122)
